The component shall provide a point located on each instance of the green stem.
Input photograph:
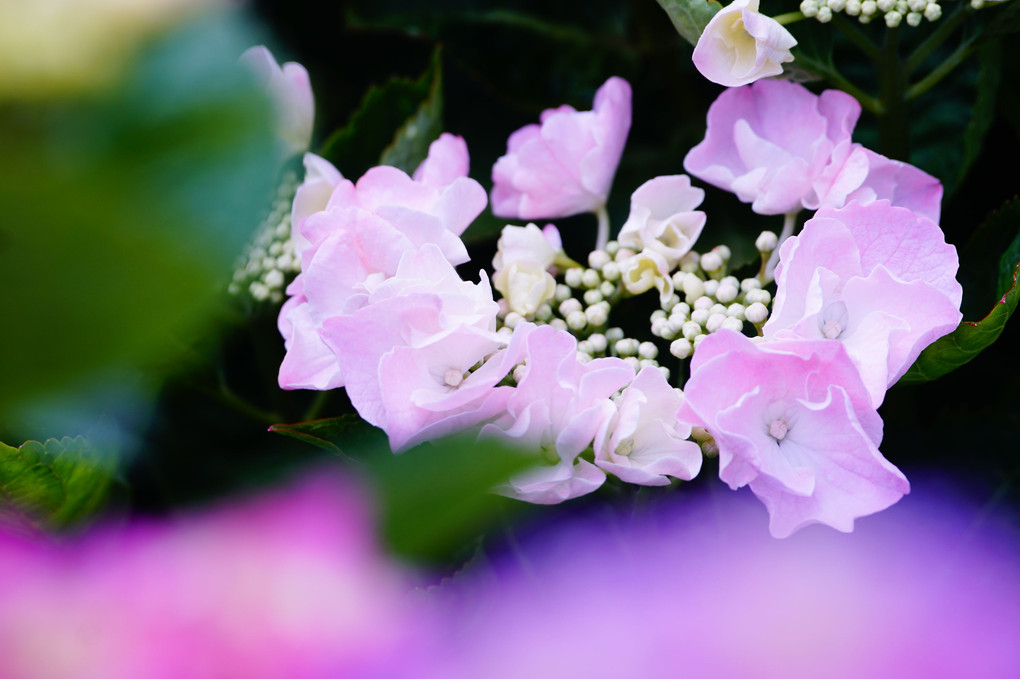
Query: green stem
(788, 18)
(316, 406)
(868, 102)
(894, 120)
(941, 71)
(938, 36)
(858, 38)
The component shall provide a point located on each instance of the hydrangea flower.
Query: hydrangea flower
(352, 237)
(558, 406)
(520, 267)
(772, 144)
(878, 278)
(291, 94)
(565, 165)
(795, 423)
(645, 441)
(740, 45)
(662, 217)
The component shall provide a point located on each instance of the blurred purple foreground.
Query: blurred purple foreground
(292, 585)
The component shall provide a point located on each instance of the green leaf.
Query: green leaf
(967, 341)
(53, 484)
(385, 111)
(122, 212)
(690, 17)
(438, 496)
(343, 435)
(410, 146)
(1007, 265)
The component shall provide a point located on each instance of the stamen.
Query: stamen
(777, 430)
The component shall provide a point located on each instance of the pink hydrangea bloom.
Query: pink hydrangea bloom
(406, 354)
(740, 45)
(795, 423)
(772, 142)
(558, 406)
(878, 278)
(662, 217)
(287, 585)
(350, 238)
(781, 148)
(645, 441)
(565, 165)
(291, 93)
(447, 161)
(867, 176)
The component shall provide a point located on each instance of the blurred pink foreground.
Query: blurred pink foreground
(292, 585)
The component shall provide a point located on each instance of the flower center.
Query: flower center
(625, 448)
(453, 377)
(831, 329)
(778, 429)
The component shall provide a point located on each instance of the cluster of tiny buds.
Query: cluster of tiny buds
(269, 259)
(711, 301)
(892, 11)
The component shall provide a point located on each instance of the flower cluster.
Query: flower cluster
(379, 308)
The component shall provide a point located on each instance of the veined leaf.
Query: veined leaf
(690, 17)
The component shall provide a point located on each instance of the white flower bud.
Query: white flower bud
(689, 263)
(917, 5)
(273, 278)
(864, 19)
(658, 313)
(760, 296)
(671, 302)
(698, 340)
(569, 305)
(519, 372)
(853, 7)
(612, 247)
(505, 333)
(694, 287)
(711, 286)
(611, 271)
(622, 254)
(766, 241)
(836, 5)
(678, 279)
(727, 292)
(583, 357)
(584, 346)
(607, 289)
(902, 7)
(681, 309)
(572, 276)
(598, 259)
(711, 262)
(563, 292)
(733, 324)
(681, 348)
(647, 350)
(675, 324)
(591, 278)
(715, 322)
(809, 8)
(633, 363)
(933, 11)
(659, 326)
(691, 329)
(824, 15)
(717, 309)
(665, 372)
(614, 334)
(543, 313)
(628, 346)
(592, 297)
(749, 284)
(723, 251)
(513, 319)
(893, 19)
(756, 313)
(259, 291)
(710, 449)
(914, 19)
(735, 310)
(702, 303)
(596, 315)
(868, 8)
(577, 320)
(598, 342)
(558, 323)
(700, 316)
